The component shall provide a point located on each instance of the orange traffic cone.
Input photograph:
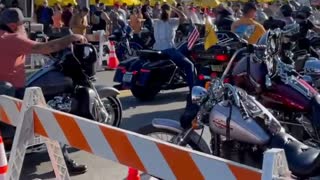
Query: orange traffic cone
(3, 161)
(133, 174)
(113, 60)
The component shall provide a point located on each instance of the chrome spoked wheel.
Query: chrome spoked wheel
(114, 111)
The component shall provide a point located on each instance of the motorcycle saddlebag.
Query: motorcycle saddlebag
(156, 72)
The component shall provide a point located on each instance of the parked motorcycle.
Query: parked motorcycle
(279, 87)
(241, 130)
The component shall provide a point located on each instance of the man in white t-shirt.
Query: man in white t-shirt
(164, 34)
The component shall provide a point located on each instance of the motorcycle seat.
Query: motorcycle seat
(303, 161)
(152, 55)
(6, 88)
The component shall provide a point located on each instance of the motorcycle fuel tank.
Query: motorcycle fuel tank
(250, 77)
(244, 130)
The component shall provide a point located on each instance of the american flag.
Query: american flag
(193, 37)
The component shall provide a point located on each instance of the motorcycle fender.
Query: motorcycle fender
(168, 124)
(105, 91)
(85, 98)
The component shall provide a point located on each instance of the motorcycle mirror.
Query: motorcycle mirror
(198, 94)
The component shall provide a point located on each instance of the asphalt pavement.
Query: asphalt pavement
(168, 104)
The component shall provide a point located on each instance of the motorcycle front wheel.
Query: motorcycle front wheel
(114, 109)
(195, 141)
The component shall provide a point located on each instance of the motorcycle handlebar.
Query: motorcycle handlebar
(251, 48)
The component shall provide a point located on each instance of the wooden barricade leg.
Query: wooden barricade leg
(25, 136)
(275, 165)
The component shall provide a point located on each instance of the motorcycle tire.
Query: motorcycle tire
(144, 93)
(196, 142)
(114, 108)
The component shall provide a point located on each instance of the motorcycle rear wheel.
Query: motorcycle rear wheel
(145, 93)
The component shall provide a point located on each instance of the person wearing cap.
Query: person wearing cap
(79, 22)
(247, 25)
(164, 32)
(15, 45)
(302, 17)
(118, 18)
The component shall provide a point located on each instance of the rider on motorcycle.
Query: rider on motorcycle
(247, 26)
(302, 18)
(287, 13)
(224, 19)
(15, 45)
(164, 33)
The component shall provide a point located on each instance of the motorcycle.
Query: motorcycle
(151, 72)
(302, 53)
(275, 83)
(67, 83)
(241, 130)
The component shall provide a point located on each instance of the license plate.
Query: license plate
(217, 68)
(127, 77)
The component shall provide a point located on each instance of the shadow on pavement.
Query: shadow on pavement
(30, 166)
(160, 99)
(139, 120)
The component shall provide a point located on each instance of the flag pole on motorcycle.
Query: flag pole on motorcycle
(211, 37)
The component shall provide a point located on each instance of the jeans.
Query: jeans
(182, 62)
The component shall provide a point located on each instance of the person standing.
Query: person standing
(136, 19)
(156, 11)
(100, 20)
(67, 15)
(79, 22)
(57, 21)
(118, 18)
(125, 8)
(15, 45)
(44, 14)
(146, 9)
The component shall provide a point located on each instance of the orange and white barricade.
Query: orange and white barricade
(3, 161)
(146, 154)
